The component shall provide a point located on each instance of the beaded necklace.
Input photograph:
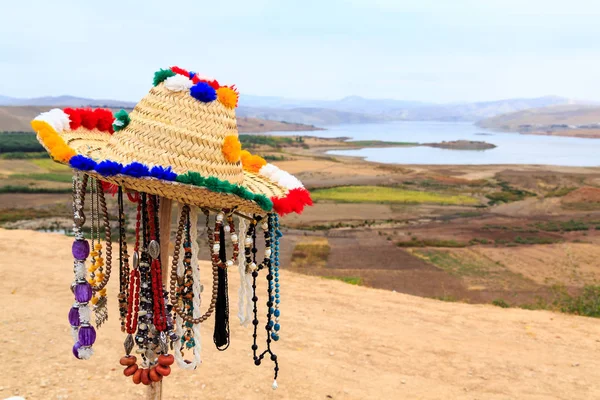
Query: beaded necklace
(251, 249)
(79, 315)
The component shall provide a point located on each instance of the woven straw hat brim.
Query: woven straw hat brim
(94, 144)
(184, 193)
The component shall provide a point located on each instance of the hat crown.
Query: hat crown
(171, 128)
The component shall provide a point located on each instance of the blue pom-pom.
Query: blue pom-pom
(136, 170)
(163, 173)
(109, 168)
(204, 92)
(82, 163)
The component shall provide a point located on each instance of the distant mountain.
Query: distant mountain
(570, 116)
(474, 111)
(65, 101)
(355, 104)
(349, 110)
(309, 116)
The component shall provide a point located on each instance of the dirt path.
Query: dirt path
(338, 341)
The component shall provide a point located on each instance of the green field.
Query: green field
(391, 195)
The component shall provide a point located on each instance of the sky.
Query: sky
(422, 50)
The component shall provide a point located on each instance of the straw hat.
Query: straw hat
(180, 142)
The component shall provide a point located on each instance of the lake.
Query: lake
(512, 148)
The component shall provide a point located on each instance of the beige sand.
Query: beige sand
(338, 341)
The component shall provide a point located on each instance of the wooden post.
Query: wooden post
(155, 389)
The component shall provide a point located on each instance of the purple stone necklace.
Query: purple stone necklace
(83, 332)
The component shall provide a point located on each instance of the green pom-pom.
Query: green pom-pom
(263, 201)
(243, 192)
(121, 120)
(219, 186)
(184, 178)
(161, 75)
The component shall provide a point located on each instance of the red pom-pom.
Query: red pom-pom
(105, 120)
(110, 188)
(89, 119)
(180, 71)
(214, 84)
(295, 201)
(74, 117)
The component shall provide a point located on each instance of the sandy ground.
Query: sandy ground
(338, 341)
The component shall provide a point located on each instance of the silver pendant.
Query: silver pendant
(128, 344)
(154, 249)
(135, 260)
(101, 311)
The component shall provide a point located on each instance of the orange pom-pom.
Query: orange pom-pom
(250, 162)
(232, 148)
(227, 96)
(62, 153)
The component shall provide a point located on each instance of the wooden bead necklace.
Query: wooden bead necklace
(177, 307)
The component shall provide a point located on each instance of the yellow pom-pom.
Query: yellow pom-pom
(227, 96)
(232, 148)
(252, 163)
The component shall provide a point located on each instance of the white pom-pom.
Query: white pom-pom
(84, 314)
(56, 118)
(178, 83)
(268, 170)
(85, 352)
(61, 120)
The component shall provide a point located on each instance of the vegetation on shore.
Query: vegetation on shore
(389, 195)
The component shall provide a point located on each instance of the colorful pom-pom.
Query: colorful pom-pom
(161, 75)
(82, 163)
(250, 162)
(109, 168)
(74, 117)
(178, 83)
(263, 201)
(135, 169)
(204, 92)
(105, 120)
(294, 201)
(232, 148)
(227, 96)
(121, 120)
(163, 173)
(89, 119)
(180, 71)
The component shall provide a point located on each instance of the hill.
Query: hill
(371, 344)
(18, 118)
(348, 110)
(563, 120)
